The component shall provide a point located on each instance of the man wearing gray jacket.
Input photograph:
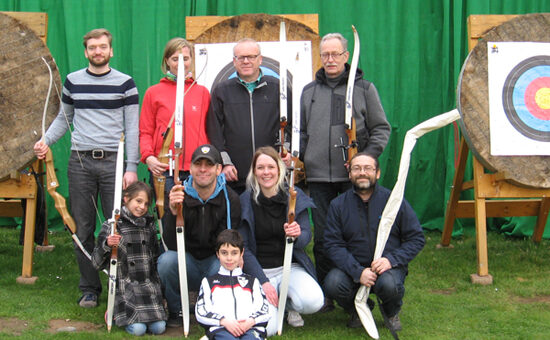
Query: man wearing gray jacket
(323, 127)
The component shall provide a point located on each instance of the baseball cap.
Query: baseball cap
(207, 151)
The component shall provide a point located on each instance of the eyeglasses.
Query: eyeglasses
(241, 58)
(334, 55)
(367, 168)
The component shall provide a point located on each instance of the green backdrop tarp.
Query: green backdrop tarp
(412, 50)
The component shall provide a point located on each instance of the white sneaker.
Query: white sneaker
(294, 319)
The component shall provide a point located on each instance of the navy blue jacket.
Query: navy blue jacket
(350, 239)
(247, 226)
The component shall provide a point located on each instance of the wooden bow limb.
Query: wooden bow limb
(349, 149)
(180, 222)
(287, 262)
(283, 97)
(114, 220)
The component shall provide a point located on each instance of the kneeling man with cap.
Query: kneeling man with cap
(209, 206)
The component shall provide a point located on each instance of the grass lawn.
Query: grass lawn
(440, 302)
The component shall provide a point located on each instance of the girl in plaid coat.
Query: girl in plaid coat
(138, 301)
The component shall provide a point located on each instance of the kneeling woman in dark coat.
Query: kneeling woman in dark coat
(264, 229)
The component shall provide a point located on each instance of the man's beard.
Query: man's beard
(104, 62)
(364, 186)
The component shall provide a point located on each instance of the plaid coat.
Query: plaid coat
(138, 290)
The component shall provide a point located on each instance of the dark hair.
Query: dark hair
(364, 154)
(96, 34)
(135, 188)
(231, 237)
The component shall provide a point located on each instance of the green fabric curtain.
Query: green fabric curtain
(412, 50)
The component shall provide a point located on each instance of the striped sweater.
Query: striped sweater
(100, 107)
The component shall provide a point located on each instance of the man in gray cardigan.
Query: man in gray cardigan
(101, 103)
(323, 126)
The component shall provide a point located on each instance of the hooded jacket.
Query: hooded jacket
(323, 125)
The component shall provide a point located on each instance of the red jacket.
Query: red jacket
(157, 110)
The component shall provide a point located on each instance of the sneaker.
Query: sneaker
(294, 319)
(354, 321)
(328, 306)
(393, 323)
(174, 320)
(88, 300)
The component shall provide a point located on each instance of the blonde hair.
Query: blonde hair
(96, 34)
(171, 47)
(251, 180)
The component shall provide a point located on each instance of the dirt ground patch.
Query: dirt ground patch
(536, 299)
(13, 326)
(447, 291)
(71, 326)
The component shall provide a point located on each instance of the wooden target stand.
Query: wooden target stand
(511, 200)
(23, 186)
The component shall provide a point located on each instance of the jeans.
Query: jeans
(304, 293)
(89, 177)
(223, 334)
(322, 194)
(139, 328)
(167, 267)
(389, 287)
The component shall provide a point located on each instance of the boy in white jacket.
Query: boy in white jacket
(231, 304)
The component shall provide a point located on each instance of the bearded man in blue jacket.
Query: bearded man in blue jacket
(350, 239)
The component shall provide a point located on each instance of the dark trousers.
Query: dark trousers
(89, 177)
(322, 194)
(389, 287)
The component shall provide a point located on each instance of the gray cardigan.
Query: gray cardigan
(323, 125)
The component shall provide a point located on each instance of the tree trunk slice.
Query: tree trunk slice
(473, 103)
(24, 81)
(261, 27)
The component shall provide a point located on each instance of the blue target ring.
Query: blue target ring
(525, 92)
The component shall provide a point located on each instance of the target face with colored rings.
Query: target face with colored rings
(526, 98)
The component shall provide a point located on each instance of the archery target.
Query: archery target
(519, 98)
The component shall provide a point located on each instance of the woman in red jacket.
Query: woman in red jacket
(158, 108)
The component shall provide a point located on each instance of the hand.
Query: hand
(233, 326)
(230, 173)
(247, 324)
(287, 159)
(176, 197)
(113, 240)
(40, 149)
(381, 265)
(293, 229)
(155, 166)
(368, 278)
(129, 178)
(271, 293)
